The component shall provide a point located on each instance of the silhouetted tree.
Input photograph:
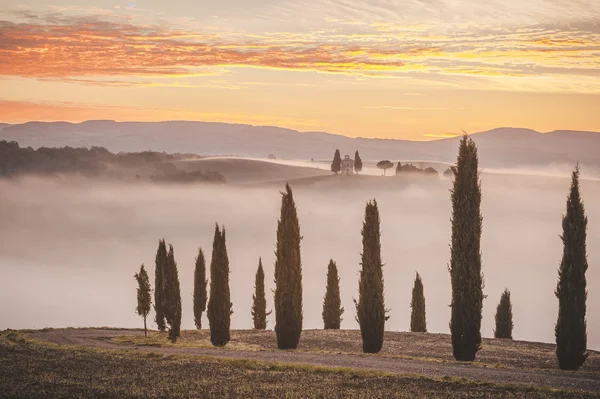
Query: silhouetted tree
(288, 275)
(409, 168)
(370, 308)
(200, 283)
(160, 265)
(336, 165)
(220, 307)
(385, 165)
(449, 173)
(332, 304)
(399, 168)
(418, 321)
(357, 163)
(431, 171)
(504, 319)
(259, 301)
(172, 296)
(570, 331)
(465, 260)
(144, 299)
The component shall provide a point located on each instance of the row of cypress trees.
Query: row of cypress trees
(465, 273)
(467, 277)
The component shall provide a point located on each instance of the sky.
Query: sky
(412, 69)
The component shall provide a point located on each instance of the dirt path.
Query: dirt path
(548, 378)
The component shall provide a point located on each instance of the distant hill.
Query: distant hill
(249, 171)
(499, 148)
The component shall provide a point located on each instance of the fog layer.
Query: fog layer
(68, 250)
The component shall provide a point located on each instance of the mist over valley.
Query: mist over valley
(70, 245)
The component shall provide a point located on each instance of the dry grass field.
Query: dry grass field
(122, 363)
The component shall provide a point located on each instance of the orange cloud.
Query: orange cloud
(91, 47)
(96, 51)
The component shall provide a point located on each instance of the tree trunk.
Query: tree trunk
(145, 329)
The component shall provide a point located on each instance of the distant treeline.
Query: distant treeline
(98, 162)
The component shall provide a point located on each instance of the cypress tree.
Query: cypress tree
(570, 330)
(357, 163)
(160, 264)
(259, 301)
(144, 299)
(465, 260)
(332, 304)
(336, 165)
(417, 317)
(504, 320)
(370, 308)
(200, 294)
(219, 304)
(172, 296)
(288, 275)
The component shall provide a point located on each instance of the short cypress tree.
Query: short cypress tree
(336, 165)
(417, 317)
(200, 283)
(288, 275)
(332, 304)
(259, 301)
(570, 330)
(370, 308)
(504, 319)
(160, 264)
(465, 258)
(357, 163)
(144, 299)
(219, 304)
(172, 296)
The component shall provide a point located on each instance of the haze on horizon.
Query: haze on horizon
(69, 247)
(414, 69)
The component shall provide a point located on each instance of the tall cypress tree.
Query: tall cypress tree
(144, 298)
(160, 264)
(332, 304)
(570, 330)
(357, 163)
(219, 304)
(465, 255)
(370, 308)
(172, 296)
(336, 165)
(288, 275)
(200, 283)
(504, 319)
(418, 321)
(259, 301)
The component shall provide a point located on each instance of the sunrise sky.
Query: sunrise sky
(415, 69)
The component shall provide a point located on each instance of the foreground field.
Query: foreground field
(31, 369)
(123, 363)
(495, 353)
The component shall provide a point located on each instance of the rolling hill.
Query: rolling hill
(499, 148)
